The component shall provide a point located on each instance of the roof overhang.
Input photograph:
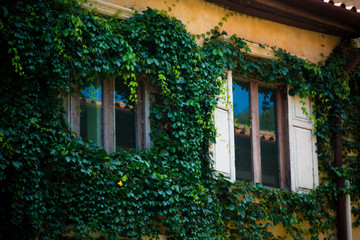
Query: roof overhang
(314, 15)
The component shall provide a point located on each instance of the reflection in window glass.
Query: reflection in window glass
(243, 163)
(124, 118)
(90, 114)
(268, 139)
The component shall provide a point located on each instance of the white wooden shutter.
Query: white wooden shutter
(72, 115)
(149, 98)
(223, 149)
(303, 156)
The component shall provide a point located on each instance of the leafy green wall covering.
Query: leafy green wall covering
(52, 182)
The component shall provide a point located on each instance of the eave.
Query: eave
(313, 15)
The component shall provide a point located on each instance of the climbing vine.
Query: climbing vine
(55, 185)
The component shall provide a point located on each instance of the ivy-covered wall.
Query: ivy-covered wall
(53, 183)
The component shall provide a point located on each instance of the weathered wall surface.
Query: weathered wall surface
(200, 16)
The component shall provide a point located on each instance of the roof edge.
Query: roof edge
(313, 15)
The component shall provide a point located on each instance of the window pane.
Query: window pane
(124, 117)
(90, 113)
(268, 139)
(243, 163)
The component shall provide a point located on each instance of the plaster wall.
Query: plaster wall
(355, 231)
(200, 16)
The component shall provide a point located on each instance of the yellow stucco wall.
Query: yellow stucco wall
(355, 231)
(200, 16)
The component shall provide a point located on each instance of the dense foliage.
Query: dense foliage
(53, 183)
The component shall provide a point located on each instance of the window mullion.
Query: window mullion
(108, 115)
(255, 132)
(282, 138)
(140, 117)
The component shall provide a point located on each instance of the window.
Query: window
(263, 136)
(256, 129)
(103, 114)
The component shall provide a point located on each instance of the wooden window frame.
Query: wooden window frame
(281, 133)
(72, 103)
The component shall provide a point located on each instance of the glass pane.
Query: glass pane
(90, 114)
(243, 163)
(268, 139)
(124, 117)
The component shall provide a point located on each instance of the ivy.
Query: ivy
(55, 185)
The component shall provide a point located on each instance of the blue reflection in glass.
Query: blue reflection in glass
(90, 113)
(92, 93)
(243, 163)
